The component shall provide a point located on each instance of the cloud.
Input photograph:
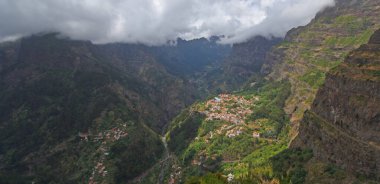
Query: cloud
(155, 21)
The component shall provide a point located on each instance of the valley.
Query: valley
(299, 109)
(302, 61)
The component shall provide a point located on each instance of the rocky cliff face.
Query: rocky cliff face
(310, 51)
(343, 125)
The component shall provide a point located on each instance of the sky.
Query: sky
(155, 22)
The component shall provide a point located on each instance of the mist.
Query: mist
(155, 22)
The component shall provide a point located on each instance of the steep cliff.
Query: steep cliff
(343, 125)
(310, 51)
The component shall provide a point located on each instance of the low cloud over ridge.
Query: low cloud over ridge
(155, 22)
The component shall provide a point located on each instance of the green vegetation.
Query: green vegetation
(351, 22)
(348, 41)
(289, 165)
(314, 78)
(47, 100)
(207, 179)
(325, 63)
(374, 73)
(271, 103)
(135, 154)
(55, 90)
(312, 50)
(185, 131)
(12, 178)
(211, 149)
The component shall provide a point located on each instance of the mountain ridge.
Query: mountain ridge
(310, 51)
(352, 93)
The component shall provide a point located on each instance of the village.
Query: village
(233, 109)
(232, 113)
(105, 138)
(229, 108)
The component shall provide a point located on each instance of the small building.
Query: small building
(256, 134)
(217, 100)
(239, 132)
(230, 177)
(83, 136)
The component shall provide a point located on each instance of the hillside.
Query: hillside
(342, 127)
(302, 109)
(187, 58)
(234, 133)
(243, 63)
(217, 147)
(310, 51)
(75, 110)
(68, 100)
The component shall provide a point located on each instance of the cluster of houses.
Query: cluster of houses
(109, 135)
(223, 128)
(229, 108)
(176, 175)
(230, 177)
(105, 137)
(100, 170)
(234, 132)
(256, 134)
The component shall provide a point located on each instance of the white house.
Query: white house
(230, 177)
(256, 134)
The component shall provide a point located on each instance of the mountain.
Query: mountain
(182, 58)
(343, 125)
(243, 63)
(257, 150)
(69, 107)
(191, 57)
(266, 111)
(308, 52)
(73, 109)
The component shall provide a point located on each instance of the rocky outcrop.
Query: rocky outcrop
(343, 125)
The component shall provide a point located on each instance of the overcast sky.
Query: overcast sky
(155, 21)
